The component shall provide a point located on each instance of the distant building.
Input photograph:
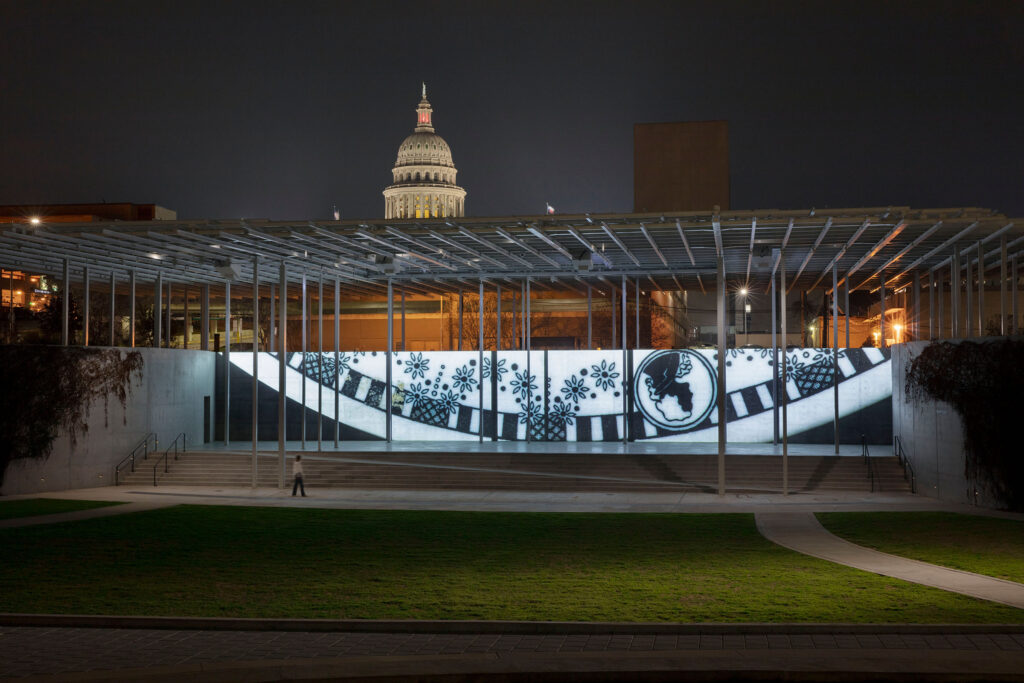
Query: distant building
(424, 175)
(20, 289)
(680, 166)
(84, 213)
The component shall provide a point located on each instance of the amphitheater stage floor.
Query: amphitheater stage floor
(536, 447)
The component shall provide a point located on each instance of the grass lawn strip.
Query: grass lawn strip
(371, 564)
(984, 545)
(30, 507)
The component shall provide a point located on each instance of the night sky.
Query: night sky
(282, 109)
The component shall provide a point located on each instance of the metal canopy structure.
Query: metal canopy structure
(773, 251)
(868, 247)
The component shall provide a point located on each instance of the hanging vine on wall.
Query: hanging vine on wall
(982, 381)
(49, 389)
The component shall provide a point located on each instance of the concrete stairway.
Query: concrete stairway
(532, 472)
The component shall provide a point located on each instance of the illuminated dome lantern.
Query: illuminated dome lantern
(423, 179)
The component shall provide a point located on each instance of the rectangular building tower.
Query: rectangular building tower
(681, 166)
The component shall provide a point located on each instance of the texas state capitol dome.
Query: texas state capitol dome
(424, 175)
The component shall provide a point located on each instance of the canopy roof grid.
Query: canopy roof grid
(671, 251)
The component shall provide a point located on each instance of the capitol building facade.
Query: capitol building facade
(423, 179)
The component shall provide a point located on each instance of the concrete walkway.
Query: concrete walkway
(509, 500)
(802, 532)
(545, 652)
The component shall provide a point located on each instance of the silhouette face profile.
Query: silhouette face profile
(671, 396)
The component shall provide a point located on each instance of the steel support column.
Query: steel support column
(282, 367)
(227, 363)
(480, 354)
(131, 308)
(846, 304)
(65, 327)
(940, 306)
(954, 294)
(158, 297)
(636, 284)
(526, 345)
(303, 293)
(204, 319)
(835, 353)
(320, 364)
(497, 327)
(186, 335)
(625, 374)
(167, 312)
(775, 369)
(916, 294)
(614, 321)
(461, 309)
(1013, 298)
(113, 305)
(931, 305)
(785, 380)
(337, 360)
(272, 333)
(1002, 286)
(968, 299)
(720, 380)
(85, 305)
(590, 317)
(255, 366)
(402, 295)
(388, 358)
(981, 291)
(881, 313)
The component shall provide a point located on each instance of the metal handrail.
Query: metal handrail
(908, 467)
(164, 458)
(144, 445)
(867, 460)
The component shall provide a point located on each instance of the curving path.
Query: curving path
(802, 532)
(76, 515)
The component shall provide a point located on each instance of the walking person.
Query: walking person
(297, 473)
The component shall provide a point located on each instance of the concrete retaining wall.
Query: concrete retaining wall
(932, 437)
(168, 400)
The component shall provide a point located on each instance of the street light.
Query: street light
(742, 292)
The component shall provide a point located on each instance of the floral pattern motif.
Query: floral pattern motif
(575, 389)
(523, 384)
(417, 366)
(449, 401)
(499, 368)
(463, 379)
(530, 412)
(563, 413)
(604, 375)
(416, 393)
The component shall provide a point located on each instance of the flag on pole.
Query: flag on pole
(551, 209)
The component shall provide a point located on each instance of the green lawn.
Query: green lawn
(984, 545)
(30, 507)
(286, 562)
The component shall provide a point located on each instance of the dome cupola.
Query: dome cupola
(423, 178)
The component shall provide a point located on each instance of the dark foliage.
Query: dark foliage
(51, 317)
(49, 390)
(982, 382)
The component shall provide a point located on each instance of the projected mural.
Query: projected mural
(667, 395)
